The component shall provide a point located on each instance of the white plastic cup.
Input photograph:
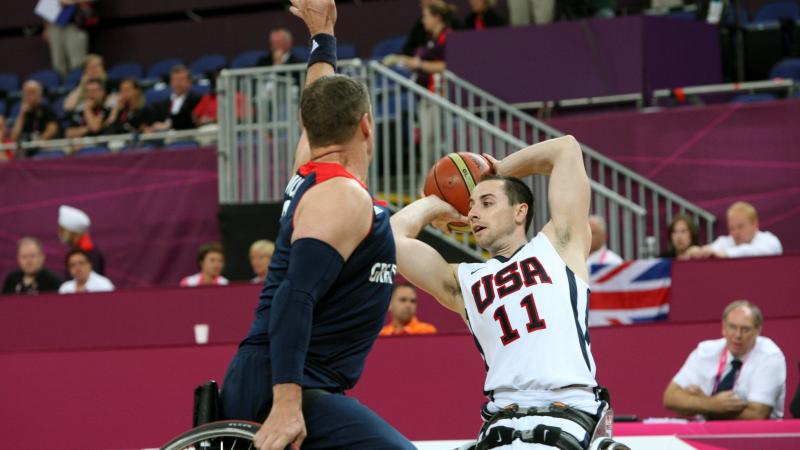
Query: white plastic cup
(201, 333)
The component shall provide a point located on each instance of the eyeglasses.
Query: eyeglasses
(735, 328)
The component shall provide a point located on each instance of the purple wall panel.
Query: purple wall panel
(150, 211)
(711, 155)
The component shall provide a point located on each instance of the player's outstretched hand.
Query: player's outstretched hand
(284, 427)
(318, 15)
(443, 213)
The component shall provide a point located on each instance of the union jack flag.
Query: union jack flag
(631, 292)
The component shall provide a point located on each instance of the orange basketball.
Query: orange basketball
(453, 178)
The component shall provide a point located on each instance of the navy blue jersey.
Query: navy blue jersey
(348, 318)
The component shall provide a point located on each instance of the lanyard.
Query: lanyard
(723, 359)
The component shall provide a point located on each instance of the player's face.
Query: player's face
(491, 216)
(30, 259)
(741, 228)
(79, 267)
(681, 237)
(404, 304)
(739, 330)
(212, 264)
(260, 262)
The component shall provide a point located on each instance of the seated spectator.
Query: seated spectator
(744, 239)
(483, 15)
(280, 49)
(36, 121)
(527, 12)
(128, 114)
(683, 234)
(260, 256)
(175, 113)
(210, 260)
(32, 277)
(84, 279)
(599, 253)
(90, 118)
(5, 138)
(741, 376)
(429, 59)
(93, 69)
(403, 308)
(73, 230)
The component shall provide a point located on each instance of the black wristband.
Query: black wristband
(323, 49)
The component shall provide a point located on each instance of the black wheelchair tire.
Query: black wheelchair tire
(233, 429)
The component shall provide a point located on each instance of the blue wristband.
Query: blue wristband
(323, 49)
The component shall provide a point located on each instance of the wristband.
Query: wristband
(323, 49)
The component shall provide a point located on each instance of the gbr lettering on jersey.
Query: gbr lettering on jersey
(291, 190)
(506, 281)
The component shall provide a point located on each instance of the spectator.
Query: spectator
(403, 309)
(36, 121)
(437, 17)
(175, 113)
(90, 119)
(526, 12)
(483, 15)
(67, 36)
(210, 260)
(260, 256)
(84, 279)
(599, 252)
(73, 230)
(93, 69)
(417, 36)
(5, 138)
(741, 376)
(683, 234)
(744, 239)
(128, 114)
(32, 277)
(280, 49)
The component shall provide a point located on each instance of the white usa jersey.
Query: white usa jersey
(528, 314)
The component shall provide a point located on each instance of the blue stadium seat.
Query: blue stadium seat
(248, 59)
(160, 69)
(58, 106)
(730, 18)
(13, 111)
(183, 144)
(201, 89)
(346, 51)
(72, 79)
(9, 82)
(301, 52)
(125, 70)
(753, 98)
(775, 11)
(94, 150)
(390, 46)
(49, 154)
(3, 106)
(788, 68)
(208, 64)
(49, 78)
(155, 95)
(682, 15)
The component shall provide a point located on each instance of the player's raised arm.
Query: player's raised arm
(320, 17)
(568, 194)
(420, 263)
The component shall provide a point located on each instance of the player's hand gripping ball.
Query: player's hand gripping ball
(453, 178)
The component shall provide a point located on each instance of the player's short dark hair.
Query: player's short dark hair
(331, 109)
(205, 249)
(517, 192)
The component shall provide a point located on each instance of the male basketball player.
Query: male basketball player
(330, 279)
(527, 305)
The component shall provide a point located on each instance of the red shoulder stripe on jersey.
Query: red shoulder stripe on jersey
(380, 202)
(325, 171)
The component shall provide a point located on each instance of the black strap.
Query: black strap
(542, 434)
(557, 410)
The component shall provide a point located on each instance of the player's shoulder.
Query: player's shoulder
(346, 194)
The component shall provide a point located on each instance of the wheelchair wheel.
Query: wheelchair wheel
(222, 435)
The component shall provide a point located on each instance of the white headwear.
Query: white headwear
(73, 219)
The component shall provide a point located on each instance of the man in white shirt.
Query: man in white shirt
(84, 279)
(599, 253)
(741, 376)
(744, 239)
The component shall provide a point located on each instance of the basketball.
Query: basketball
(453, 178)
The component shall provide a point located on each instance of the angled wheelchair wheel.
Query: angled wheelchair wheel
(222, 435)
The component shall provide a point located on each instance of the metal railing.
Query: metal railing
(117, 142)
(726, 88)
(661, 205)
(413, 129)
